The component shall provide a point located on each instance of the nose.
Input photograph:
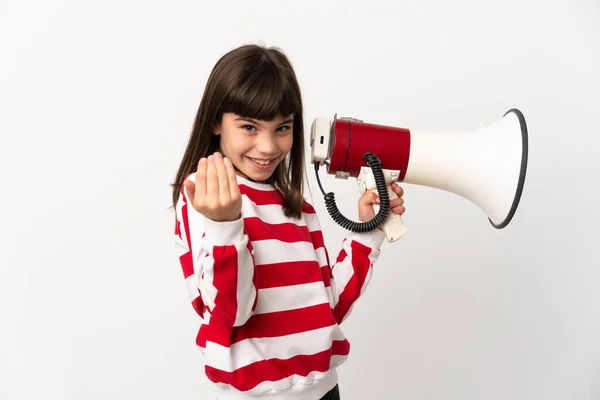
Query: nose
(266, 144)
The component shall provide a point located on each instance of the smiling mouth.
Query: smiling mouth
(263, 162)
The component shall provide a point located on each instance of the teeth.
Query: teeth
(261, 162)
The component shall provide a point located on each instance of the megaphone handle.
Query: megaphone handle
(393, 227)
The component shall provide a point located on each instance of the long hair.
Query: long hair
(254, 82)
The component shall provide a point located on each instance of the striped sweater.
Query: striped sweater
(269, 301)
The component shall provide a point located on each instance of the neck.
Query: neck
(240, 173)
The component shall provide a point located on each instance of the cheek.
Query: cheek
(236, 148)
(286, 144)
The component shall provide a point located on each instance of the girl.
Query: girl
(253, 253)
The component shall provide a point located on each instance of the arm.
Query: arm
(354, 265)
(218, 264)
(352, 270)
(346, 279)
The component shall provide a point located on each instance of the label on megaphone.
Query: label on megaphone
(320, 140)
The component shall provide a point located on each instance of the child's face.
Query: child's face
(255, 147)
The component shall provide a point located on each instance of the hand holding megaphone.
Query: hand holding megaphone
(393, 227)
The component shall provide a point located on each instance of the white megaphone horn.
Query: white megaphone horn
(486, 165)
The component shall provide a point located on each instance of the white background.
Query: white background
(96, 104)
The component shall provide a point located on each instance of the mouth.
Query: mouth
(262, 163)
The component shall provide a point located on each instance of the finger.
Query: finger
(222, 176)
(399, 201)
(399, 210)
(190, 188)
(201, 177)
(398, 190)
(212, 187)
(233, 185)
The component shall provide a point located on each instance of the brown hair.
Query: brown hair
(255, 82)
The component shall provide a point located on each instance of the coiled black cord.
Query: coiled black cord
(384, 200)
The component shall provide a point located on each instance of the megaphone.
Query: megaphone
(486, 165)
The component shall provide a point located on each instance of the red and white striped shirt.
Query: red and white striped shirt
(269, 300)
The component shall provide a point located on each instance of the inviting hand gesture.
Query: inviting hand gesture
(216, 193)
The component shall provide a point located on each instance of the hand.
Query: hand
(216, 193)
(366, 201)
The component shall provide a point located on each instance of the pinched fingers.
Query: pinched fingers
(222, 177)
(217, 193)
(212, 180)
(234, 188)
(200, 189)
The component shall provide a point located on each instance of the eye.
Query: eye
(284, 128)
(249, 128)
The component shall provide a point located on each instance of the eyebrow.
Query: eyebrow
(287, 121)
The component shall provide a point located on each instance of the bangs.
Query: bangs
(262, 93)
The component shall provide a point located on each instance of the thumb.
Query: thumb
(375, 198)
(190, 188)
(368, 198)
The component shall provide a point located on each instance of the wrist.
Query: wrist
(227, 219)
(221, 233)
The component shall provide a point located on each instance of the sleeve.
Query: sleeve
(218, 265)
(351, 273)
(349, 276)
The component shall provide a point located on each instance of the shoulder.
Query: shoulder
(308, 208)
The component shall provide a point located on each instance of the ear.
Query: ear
(216, 130)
